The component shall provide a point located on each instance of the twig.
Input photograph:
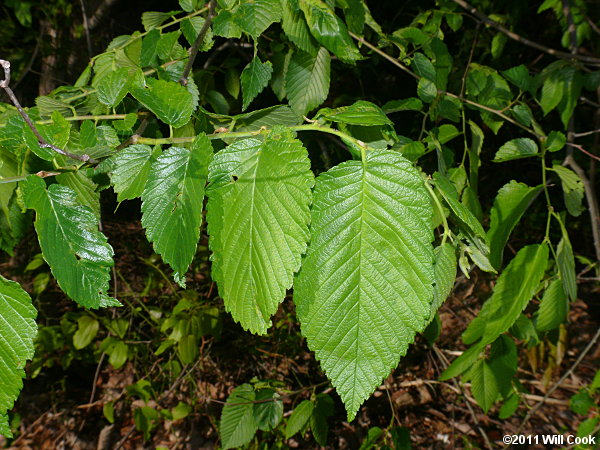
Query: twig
(198, 42)
(521, 39)
(556, 385)
(42, 142)
(86, 28)
(590, 195)
(581, 149)
(585, 133)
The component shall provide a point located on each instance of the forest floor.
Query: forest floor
(62, 407)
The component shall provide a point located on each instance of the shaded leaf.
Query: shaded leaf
(516, 149)
(255, 77)
(238, 426)
(307, 80)
(553, 307)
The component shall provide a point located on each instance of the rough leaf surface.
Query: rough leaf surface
(307, 80)
(76, 251)
(258, 216)
(172, 203)
(18, 330)
(365, 287)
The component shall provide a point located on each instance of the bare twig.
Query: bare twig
(4, 84)
(556, 385)
(198, 42)
(585, 133)
(86, 28)
(521, 39)
(583, 150)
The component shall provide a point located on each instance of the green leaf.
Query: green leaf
(237, 418)
(498, 43)
(573, 189)
(87, 329)
(553, 307)
(355, 15)
(299, 418)
(483, 384)
(581, 403)
(255, 16)
(131, 170)
(255, 77)
(84, 188)
(519, 76)
(445, 274)
(114, 86)
(307, 80)
(426, 90)
(405, 104)
(515, 287)
(224, 25)
(149, 46)
(318, 420)
(504, 362)
(269, 412)
(371, 439)
(171, 102)
(365, 287)
(258, 215)
(18, 330)
(510, 204)
(509, 407)
(360, 113)
(424, 67)
(191, 29)
(295, 28)
(556, 141)
(516, 149)
(329, 30)
(552, 93)
(77, 253)
(566, 265)
(172, 203)
(465, 217)
(153, 19)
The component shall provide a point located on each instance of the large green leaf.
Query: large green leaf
(114, 86)
(510, 204)
(514, 289)
(171, 102)
(307, 80)
(573, 189)
(329, 30)
(77, 253)
(172, 203)
(255, 77)
(299, 418)
(17, 332)
(85, 189)
(516, 149)
(131, 170)
(365, 287)
(255, 16)
(553, 307)
(483, 384)
(237, 418)
(258, 215)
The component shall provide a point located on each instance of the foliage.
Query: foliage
(370, 245)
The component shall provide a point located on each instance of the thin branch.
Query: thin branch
(198, 42)
(583, 150)
(521, 39)
(86, 28)
(42, 142)
(592, 201)
(556, 385)
(585, 133)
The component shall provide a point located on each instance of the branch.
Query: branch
(42, 142)
(198, 42)
(518, 38)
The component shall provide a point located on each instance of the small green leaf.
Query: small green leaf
(153, 19)
(498, 43)
(573, 189)
(360, 113)
(299, 418)
(114, 86)
(295, 28)
(171, 102)
(172, 203)
(423, 67)
(149, 46)
(552, 93)
(77, 253)
(483, 384)
(118, 354)
(237, 418)
(255, 16)
(255, 77)
(509, 407)
(516, 149)
(566, 265)
(87, 329)
(187, 348)
(18, 330)
(131, 169)
(519, 76)
(426, 90)
(510, 204)
(503, 362)
(307, 80)
(329, 30)
(581, 403)
(513, 291)
(556, 141)
(406, 104)
(268, 412)
(366, 283)
(553, 307)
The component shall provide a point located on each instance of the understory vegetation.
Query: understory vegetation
(299, 223)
